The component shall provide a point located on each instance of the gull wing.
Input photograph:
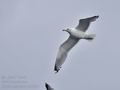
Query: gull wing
(48, 87)
(63, 51)
(84, 23)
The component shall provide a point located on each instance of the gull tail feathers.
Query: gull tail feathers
(89, 37)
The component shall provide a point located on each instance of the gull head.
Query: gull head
(67, 30)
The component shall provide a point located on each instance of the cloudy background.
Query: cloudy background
(31, 32)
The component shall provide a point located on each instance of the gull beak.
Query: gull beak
(63, 30)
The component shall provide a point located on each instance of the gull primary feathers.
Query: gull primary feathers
(76, 34)
(48, 87)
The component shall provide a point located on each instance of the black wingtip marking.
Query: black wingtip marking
(46, 85)
(56, 69)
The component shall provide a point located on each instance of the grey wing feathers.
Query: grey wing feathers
(84, 23)
(63, 51)
(69, 43)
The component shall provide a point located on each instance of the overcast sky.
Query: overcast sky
(31, 32)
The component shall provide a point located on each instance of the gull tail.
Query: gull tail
(89, 37)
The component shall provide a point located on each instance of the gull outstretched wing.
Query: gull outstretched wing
(63, 51)
(84, 23)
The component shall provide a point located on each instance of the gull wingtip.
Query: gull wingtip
(97, 16)
(56, 69)
(46, 84)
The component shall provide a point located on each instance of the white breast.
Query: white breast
(77, 33)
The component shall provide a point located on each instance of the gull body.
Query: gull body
(76, 34)
(79, 34)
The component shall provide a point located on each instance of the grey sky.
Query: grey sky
(26, 48)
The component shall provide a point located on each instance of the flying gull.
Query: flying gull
(48, 87)
(76, 34)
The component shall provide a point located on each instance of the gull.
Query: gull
(75, 34)
(48, 87)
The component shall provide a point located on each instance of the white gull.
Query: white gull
(76, 34)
